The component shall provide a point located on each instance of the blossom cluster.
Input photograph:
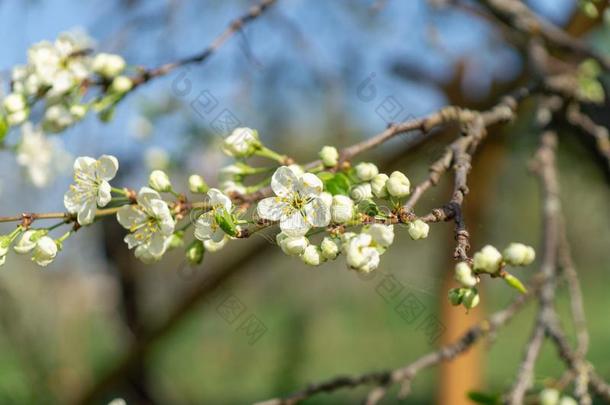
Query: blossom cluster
(489, 261)
(323, 210)
(54, 83)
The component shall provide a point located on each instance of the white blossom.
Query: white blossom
(292, 245)
(398, 185)
(206, 226)
(418, 229)
(378, 185)
(518, 254)
(91, 188)
(297, 204)
(150, 224)
(549, 396)
(464, 275)
(329, 156)
(383, 235)
(312, 256)
(361, 255)
(108, 65)
(41, 156)
(28, 240)
(159, 181)
(242, 142)
(361, 192)
(342, 209)
(487, 260)
(44, 251)
(197, 184)
(14, 102)
(121, 84)
(329, 248)
(366, 171)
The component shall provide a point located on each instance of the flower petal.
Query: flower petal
(317, 213)
(217, 198)
(107, 166)
(203, 226)
(272, 208)
(310, 185)
(130, 215)
(294, 225)
(71, 201)
(84, 164)
(145, 195)
(103, 194)
(284, 181)
(86, 213)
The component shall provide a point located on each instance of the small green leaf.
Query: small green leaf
(338, 184)
(3, 127)
(515, 283)
(484, 398)
(368, 207)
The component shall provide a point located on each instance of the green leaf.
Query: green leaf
(368, 207)
(484, 398)
(226, 222)
(515, 283)
(3, 127)
(338, 184)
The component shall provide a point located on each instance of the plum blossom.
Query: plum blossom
(206, 227)
(298, 204)
(92, 189)
(150, 224)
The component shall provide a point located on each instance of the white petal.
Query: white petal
(103, 194)
(157, 245)
(84, 164)
(107, 166)
(217, 198)
(131, 240)
(203, 226)
(86, 214)
(284, 181)
(71, 201)
(294, 225)
(310, 185)
(130, 215)
(145, 195)
(272, 208)
(318, 213)
(217, 234)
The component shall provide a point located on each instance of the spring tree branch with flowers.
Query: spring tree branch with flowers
(334, 207)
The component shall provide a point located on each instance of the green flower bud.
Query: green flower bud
(330, 248)
(487, 260)
(548, 396)
(518, 254)
(471, 298)
(464, 275)
(195, 252)
(366, 171)
(418, 229)
(456, 295)
(378, 185)
(159, 181)
(197, 184)
(329, 156)
(398, 185)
